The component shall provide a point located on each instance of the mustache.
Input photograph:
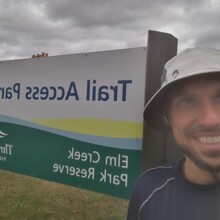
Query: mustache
(191, 131)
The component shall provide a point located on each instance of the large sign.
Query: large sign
(75, 119)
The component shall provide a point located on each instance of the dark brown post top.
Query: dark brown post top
(161, 48)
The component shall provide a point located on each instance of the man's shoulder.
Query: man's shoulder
(157, 176)
(154, 183)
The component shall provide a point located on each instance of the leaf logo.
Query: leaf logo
(2, 134)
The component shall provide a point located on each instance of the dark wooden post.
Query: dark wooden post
(161, 48)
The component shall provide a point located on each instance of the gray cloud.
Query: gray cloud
(72, 26)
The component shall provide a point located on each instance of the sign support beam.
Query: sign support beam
(161, 48)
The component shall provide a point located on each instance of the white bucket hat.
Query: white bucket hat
(191, 62)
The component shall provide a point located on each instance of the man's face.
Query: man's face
(194, 116)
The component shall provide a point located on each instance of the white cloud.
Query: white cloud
(73, 26)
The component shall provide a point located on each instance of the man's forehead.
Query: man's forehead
(203, 79)
(192, 82)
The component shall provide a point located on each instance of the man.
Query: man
(188, 104)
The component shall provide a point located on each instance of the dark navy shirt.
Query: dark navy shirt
(164, 194)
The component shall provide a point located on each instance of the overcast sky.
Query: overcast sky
(62, 27)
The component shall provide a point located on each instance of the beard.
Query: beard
(199, 160)
(214, 169)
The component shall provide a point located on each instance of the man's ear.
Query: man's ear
(166, 121)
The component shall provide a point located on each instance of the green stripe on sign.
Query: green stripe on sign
(49, 156)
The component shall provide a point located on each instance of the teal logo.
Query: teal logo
(2, 134)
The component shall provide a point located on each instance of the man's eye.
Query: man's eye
(217, 98)
(187, 102)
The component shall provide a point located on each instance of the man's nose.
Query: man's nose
(209, 114)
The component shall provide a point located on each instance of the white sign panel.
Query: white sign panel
(92, 102)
